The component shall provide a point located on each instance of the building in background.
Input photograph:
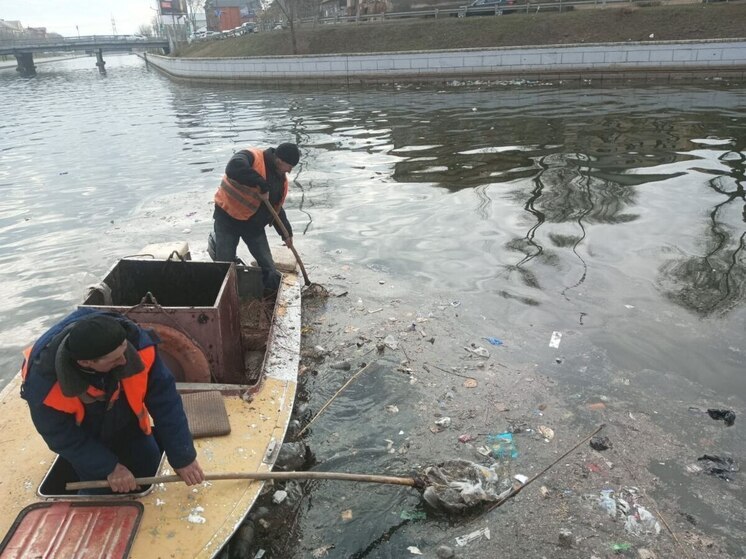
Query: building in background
(10, 29)
(229, 14)
(173, 19)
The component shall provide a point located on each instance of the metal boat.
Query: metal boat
(235, 356)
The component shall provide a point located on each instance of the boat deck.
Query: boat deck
(180, 521)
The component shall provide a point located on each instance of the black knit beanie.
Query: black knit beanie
(95, 336)
(289, 153)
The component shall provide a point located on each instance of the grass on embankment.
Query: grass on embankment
(692, 21)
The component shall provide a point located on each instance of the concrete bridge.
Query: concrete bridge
(24, 49)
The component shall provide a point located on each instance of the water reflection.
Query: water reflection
(715, 282)
(531, 206)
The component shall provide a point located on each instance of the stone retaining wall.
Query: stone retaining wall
(646, 60)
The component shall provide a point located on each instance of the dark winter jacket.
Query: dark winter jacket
(89, 444)
(240, 169)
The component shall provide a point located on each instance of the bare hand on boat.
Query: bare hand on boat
(191, 474)
(121, 480)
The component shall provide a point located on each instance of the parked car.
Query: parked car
(248, 27)
(490, 7)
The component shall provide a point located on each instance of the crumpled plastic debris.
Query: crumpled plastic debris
(390, 342)
(729, 416)
(494, 341)
(477, 350)
(460, 485)
(719, 466)
(638, 520)
(502, 445)
(466, 539)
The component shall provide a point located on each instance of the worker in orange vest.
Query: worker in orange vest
(92, 382)
(252, 176)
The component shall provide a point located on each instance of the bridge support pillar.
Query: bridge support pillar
(26, 64)
(100, 61)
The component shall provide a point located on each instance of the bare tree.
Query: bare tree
(195, 6)
(288, 7)
(145, 30)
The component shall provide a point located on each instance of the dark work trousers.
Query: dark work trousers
(226, 243)
(137, 451)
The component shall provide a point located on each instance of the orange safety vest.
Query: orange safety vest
(135, 387)
(241, 201)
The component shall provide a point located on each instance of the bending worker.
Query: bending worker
(91, 383)
(251, 176)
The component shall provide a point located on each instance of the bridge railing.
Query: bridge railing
(82, 40)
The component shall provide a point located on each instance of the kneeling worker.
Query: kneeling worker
(91, 382)
(251, 176)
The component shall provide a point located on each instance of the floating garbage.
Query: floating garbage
(637, 519)
(390, 342)
(546, 432)
(719, 466)
(555, 340)
(477, 350)
(502, 445)
(460, 485)
(729, 416)
(466, 539)
(470, 383)
(494, 341)
(600, 443)
(443, 422)
(465, 438)
(412, 515)
(414, 550)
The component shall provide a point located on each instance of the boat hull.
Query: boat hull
(181, 521)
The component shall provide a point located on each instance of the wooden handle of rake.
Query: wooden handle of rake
(390, 480)
(286, 235)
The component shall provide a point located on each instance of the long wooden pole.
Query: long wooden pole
(390, 480)
(286, 234)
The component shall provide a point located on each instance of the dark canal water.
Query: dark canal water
(616, 216)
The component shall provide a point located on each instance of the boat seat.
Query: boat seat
(206, 414)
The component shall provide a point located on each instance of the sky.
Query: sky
(93, 17)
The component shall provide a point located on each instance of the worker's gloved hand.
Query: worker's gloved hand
(191, 474)
(264, 196)
(121, 480)
(289, 242)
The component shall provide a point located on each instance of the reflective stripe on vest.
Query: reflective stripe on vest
(26, 358)
(241, 201)
(135, 387)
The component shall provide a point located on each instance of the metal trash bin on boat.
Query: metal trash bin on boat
(193, 306)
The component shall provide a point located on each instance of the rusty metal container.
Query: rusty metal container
(193, 306)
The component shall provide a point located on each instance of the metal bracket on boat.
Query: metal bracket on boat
(270, 455)
(149, 299)
(177, 254)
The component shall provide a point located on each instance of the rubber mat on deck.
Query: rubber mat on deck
(206, 414)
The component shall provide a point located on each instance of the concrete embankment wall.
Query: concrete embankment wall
(661, 60)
